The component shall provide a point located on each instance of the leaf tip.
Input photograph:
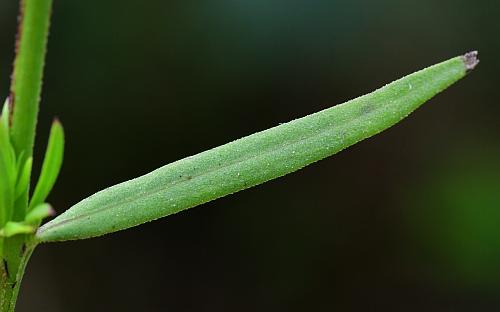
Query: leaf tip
(470, 60)
(57, 121)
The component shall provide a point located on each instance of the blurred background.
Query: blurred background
(406, 221)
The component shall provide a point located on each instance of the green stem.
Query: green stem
(10, 282)
(28, 72)
(26, 87)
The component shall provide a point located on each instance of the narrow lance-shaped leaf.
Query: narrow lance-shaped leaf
(23, 178)
(254, 159)
(7, 173)
(51, 165)
(15, 228)
(38, 213)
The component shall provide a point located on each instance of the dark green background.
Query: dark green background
(406, 221)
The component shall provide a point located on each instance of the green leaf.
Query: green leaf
(39, 213)
(254, 159)
(27, 76)
(19, 162)
(7, 173)
(14, 228)
(23, 178)
(51, 165)
(6, 150)
(6, 194)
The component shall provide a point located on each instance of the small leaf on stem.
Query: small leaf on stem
(14, 228)
(40, 212)
(51, 165)
(23, 178)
